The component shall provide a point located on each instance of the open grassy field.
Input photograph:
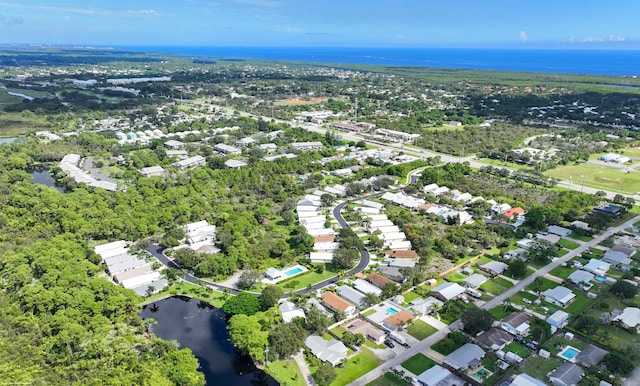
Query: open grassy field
(598, 177)
(303, 280)
(631, 152)
(568, 244)
(420, 330)
(539, 367)
(355, 367)
(286, 373)
(418, 364)
(562, 272)
(388, 379)
(497, 285)
(297, 102)
(498, 163)
(14, 124)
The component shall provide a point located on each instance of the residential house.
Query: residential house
(494, 267)
(227, 149)
(273, 274)
(392, 273)
(630, 317)
(378, 280)
(597, 267)
(628, 251)
(401, 254)
(548, 237)
(580, 277)
(268, 147)
(447, 291)
(331, 351)
(526, 244)
(439, 376)
(368, 330)
(580, 225)
(558, 319)
(190, 162)
(467, 357)
(235, 163)
(513, 212)
(302, 146)
(526, 380)
(338, 304)
(475, 280)
(560, 296)
(591, 355)
(517, 324)
(568, 374)
(617, 259)
(244, 142)
(290, 311)
(519, 253)
(558, 230)
(394, 321)
(315, 303)
(173, 144)
(494, 338)
(425, 306)
(153, 171)
(351, 295)
(611, 209)
(366, 287)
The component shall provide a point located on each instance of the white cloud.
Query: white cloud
(597, 39)
(523, 36)
(82, 10)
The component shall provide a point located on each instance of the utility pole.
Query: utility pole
(266, 354)
(355, 111)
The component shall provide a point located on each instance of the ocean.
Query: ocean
(562, 61)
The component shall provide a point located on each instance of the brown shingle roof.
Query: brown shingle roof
(334, 301)
(398, 253)
(324, 239)
(398, 319)
(378, 280)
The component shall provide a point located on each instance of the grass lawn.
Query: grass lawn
(579, 305)
(210, 296)
(446, 346)
(580, 237)
(562, 272)
(568, 244)
(420, 330)
(418, 364)
(518, 348)
(410, 296)
(539, 367)
(388, 379)
(305, 279)
(545, 285)
(495, 162)
(631, 151)
(599, 177)
(499, 312)
(339, 331)
(369, 312)
(286, 373)
(456, 277)
(497, 285)
(370, 344)
(355, 367)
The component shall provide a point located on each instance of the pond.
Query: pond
(203, 329)
(43, 176)
(8, 140)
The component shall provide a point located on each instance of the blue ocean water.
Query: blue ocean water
(593, 62)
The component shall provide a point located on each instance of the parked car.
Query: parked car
(389, 343)
(528, 301)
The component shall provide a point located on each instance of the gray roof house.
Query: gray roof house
(332, 351)
(495, 338)
(350, 294)
(447, 291)
(591, 355)
(619, 259)
(526, 380)
(560, 296)
(439, 376)
(568, 374)
(517, 323)
(475, 280)
(466, 357)
(580, 276)
(494, 267)
(560, 231)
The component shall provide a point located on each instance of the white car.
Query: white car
(525, 300)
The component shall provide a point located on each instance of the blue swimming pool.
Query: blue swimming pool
(293, 271)
(392, 311)
(600, 278)
(569, 353)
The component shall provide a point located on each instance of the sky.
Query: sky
(580, 24)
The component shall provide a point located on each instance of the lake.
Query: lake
(203, 329)
(43, 176)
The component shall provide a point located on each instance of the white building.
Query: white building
(153, 171)
(191, 162)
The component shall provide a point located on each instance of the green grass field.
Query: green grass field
(388, 379)
(286, 373)
(568, 244)
(631, 152)
(518, 348)
(355, 367)
(598, 177)
(497, 285)
(418, 364)
(562, 272)
(420, 330)
(305, 279)
(539, 367)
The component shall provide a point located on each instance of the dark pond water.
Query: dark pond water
(42, 176)
(202, 328)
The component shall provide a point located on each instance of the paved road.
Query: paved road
(426, 344)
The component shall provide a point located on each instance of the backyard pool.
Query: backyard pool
(600, 279)
(293, 271)
(391, 311)
(569, 353)
(481, 374)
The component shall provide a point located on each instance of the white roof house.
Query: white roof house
(475, 280)
(580, 276)
(351, 295)
(321, 257)
(597, 267)
(630, 317)
(227, 149)
(332, 351)
(191, 162)
(494, 267)
(290, 311)
(366, 287)
(153, 171)
(439, 376)
(558, 318)
(526, 380)
(447, 291)
(561, 296)
(235, 163)
(372, 204)
(307, 145)
(466, 357)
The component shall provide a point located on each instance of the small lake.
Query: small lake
(203, 329)
(43, 176)
(8, 140)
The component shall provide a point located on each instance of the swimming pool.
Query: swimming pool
(293, 271)
(569, 353)
(600, 279)
(481, 374)
(391, 311)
